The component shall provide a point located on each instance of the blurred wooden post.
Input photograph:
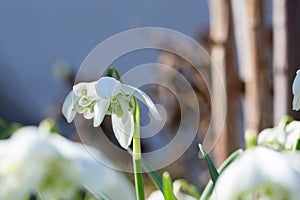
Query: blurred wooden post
(286, 55)
(258, 101)
(221, 35)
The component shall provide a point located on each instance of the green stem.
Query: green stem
(151, 173)
(136, 155)
(110, 72)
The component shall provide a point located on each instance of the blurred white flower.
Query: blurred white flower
(108, 96)
(296, 92)
(280, 138)
(273, 138)
(261, 173)
(36, 162)
(158, 195)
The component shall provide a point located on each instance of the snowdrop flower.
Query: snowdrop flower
(52, 167)
(296, 92)
(273, 138)
(260, 173)
(108, 96)
(279, 138)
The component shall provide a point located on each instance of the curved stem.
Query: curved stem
(110, 72)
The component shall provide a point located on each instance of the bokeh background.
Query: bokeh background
(254, 43)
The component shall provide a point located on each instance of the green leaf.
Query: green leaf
(297, 145)
(8, 130)
(168, 187)
(211, 167)
(206, 194)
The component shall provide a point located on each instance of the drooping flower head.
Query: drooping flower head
(108, 96)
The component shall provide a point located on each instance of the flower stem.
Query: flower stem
(136, 155)
(113, 70)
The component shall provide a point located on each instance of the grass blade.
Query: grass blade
(206, 194)
(211, 167)
(168, 187)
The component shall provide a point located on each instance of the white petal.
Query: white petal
(123, 129)
(296, 92)
(100, 110)
(85, 89)
(69, 107)
(296, 83)
(107, 87)
(142, 96)
(296, 102)
(156, 195)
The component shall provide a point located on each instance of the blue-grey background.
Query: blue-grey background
(34, 35)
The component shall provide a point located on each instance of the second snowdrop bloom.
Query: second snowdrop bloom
(296, 92)
(117, 99)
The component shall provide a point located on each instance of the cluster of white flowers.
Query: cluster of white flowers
(270, 171)
(36, 162)
(108, 96)
(280, 138)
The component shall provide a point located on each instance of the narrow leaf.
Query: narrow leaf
(168, 187)
(210, 186)
(211, 167)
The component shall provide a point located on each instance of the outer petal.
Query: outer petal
(69, 107)
(107, 87)
(296, 83)
(142, 96)
(296, 102)
(100, 110)
(123, 129)
(296, 92)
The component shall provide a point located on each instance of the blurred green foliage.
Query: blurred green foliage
(8, 129)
